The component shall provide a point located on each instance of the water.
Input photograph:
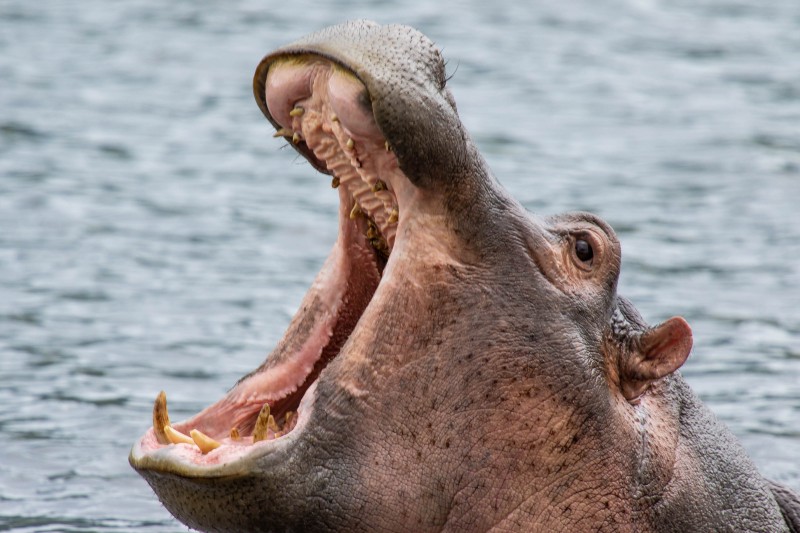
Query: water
(153, 235)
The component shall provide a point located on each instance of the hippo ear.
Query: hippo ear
(655, 353)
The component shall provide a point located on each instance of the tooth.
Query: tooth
(278, 434)
(287, 421)
(260, 431)
(176, 437)
(335, 183)
(283, 132)
(296, 138)
(355, 212)
(296, 112)
(372, 233)
(386, 145)
(203, 441)
(394, 216)
(334, 118)
(160, 417)
(235, 434)
(379, 244)
(350, 143)
(379, 186)
(271, 424)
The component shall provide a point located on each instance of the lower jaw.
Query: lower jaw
(286, 382)
(231, 458)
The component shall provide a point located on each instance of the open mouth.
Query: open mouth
(325, 111)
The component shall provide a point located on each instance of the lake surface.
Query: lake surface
(154, 236)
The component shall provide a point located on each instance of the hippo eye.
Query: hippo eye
(583, 250)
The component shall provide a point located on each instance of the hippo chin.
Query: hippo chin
(458, 364)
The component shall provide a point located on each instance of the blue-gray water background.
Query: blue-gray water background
(154, 236)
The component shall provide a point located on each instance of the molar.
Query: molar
(262, 423)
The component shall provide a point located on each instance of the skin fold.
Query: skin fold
(483, 372)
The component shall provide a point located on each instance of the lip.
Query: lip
(188, 461)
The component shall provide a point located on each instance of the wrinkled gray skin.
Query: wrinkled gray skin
(503, 388)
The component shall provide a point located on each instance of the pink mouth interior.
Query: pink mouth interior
(324, 106)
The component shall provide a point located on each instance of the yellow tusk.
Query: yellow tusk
(203, 441)
(176, 437)
(160, 418)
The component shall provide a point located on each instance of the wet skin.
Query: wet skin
(458, 364)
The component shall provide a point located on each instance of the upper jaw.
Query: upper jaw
(412, 107)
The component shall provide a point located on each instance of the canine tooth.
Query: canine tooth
(350, 143)
(379, 186)
(283, 132)
(260, 431)
(235, 434)
(335, 182)
(297, 112)
(296, 138)
(203, 441)
(394, 216)
(355, 212)
(176, 437)
(160, 418)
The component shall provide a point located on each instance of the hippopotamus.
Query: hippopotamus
(459, 363)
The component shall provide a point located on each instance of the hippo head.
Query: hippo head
(456, 363)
